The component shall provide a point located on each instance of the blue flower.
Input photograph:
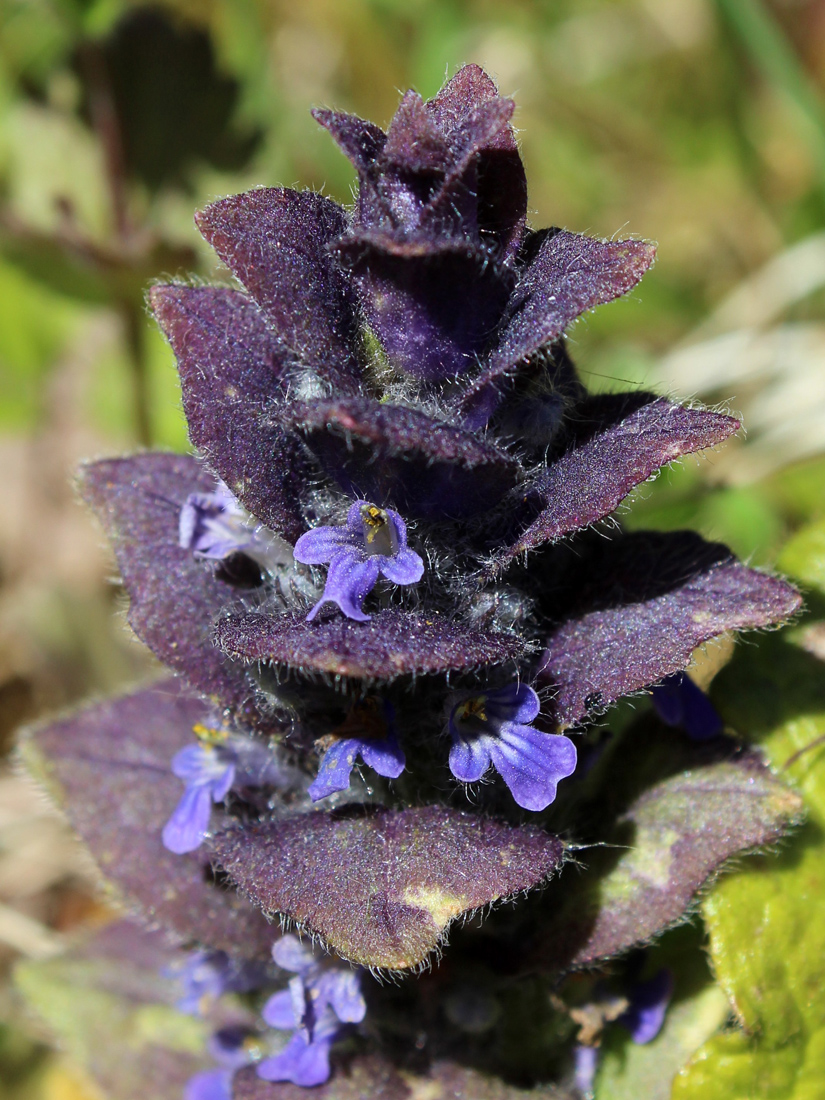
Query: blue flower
(232, 1048)
(321, 998)
(215, 525)
(207, 975)
(679, 702)
(645, 1014)
(208, 770)
(369, 732)
(642, 1011)
(373, 541)
(494, 728)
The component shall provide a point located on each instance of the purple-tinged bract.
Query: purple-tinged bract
(374, 577)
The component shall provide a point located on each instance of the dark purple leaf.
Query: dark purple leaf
(174, 598)
(568, 275)
(618, 441)
(360, 141)
(415, 143)
(645, 603)
(669, 842)
(383, 887)
(394, 455)
(501, 184)
(391, 644)
(109, 767)
(233, 374)
(275, 241)
(433, 305)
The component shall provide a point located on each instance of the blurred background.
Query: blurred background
(696, 123)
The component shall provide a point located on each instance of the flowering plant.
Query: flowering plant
(392, 624)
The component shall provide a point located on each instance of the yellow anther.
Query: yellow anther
(474, 708)
(208, 735)
(375, 519)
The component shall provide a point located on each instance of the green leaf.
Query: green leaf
(767, 937)
(804, 556)
(629, 1071)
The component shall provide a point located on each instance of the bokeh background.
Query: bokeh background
(696, 123)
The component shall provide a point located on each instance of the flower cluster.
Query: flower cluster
(376, 585)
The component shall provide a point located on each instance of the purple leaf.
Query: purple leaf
(399, 456)
(233, 373)
(670, 841)
(619, 441)
(174, 598)
(383, 887)
(391, 644)
(567, 275)
(501, 184)
(432, 304)
(109, 766)
(360, 141)
(275, 241)
(646, 602)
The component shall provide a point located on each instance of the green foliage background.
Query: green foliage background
(697, 123)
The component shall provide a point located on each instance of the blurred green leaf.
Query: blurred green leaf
(629, 1071)
(34, 326)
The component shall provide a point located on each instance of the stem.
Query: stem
(135, 340)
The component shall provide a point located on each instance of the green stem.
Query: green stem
(769, 48)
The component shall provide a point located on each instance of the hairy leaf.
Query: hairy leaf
(109, 767)
(382, 888)
(138, 502)
(656, 598)
(662, 851)
(391, 644)
(619, 440)
(395, 455)
(275, 241)
(233, 373)
(565, 275)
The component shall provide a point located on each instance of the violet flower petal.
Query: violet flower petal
(350, 579)
(680, 702)
(405, 567)
(340, 988)
(214, 1084)
(648, 1004)
(302, 1062)
(189, 823)
(469, 759)
(321, 544)
(532, 763)
(290, 954)
(279, 1011)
